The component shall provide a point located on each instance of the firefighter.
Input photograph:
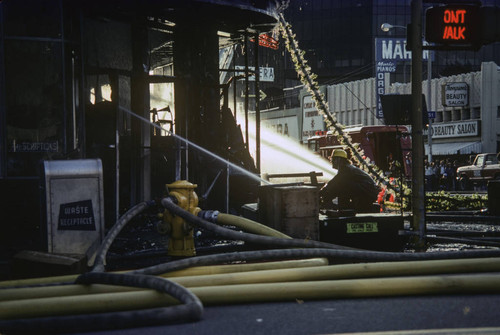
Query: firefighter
(353, 187)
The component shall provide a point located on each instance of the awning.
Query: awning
(454, 148)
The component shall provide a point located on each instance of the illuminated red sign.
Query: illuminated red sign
(266, 41)
(455, 25)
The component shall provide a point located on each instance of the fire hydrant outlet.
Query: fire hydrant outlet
(181, 241)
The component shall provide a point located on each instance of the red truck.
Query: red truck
(380, 143)
(484, 168)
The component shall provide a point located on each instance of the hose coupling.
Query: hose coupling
(209, 215)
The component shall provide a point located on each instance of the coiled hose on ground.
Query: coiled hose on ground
(192, 308)
(312, 248)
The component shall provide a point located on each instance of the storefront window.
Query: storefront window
(466, 114)
(439, 116)
(41, 86)
(446, 116)
(476, 113)
(34, 104)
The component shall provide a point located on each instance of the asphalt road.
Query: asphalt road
(450, 314)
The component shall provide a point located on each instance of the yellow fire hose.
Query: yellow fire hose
(259, 285)
(193, 271)
(347, 271)
(37, 281)
(247, 293)
(283, 284)
(248, 225)
(48, 291)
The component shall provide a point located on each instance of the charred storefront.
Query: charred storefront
(132, 85)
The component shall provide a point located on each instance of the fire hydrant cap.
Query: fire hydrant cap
(181, 184)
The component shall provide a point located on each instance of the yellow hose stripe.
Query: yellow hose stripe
(333, 272)
(247, 293)
(244, 267)
(193, 271)
(249, 225)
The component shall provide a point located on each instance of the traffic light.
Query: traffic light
(454, 26)
(462, 26)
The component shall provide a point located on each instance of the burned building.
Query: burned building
(132, 84)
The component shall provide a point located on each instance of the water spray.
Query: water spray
(196, 146)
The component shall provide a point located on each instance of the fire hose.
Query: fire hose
(191, 307)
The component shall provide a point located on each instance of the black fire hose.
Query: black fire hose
(311, 249)
(190, 309)
(282, 254)
(115, 230)
(171, 206)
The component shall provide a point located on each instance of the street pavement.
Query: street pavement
(446, 314)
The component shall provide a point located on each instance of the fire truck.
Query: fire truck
(388, 147)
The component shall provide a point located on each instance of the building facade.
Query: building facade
(466, 109)
(340, 40)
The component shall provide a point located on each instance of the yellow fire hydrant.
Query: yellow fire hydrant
(181, 241)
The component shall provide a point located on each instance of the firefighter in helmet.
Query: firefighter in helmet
(353, 187)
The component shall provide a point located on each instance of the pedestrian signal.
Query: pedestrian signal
(454, 26)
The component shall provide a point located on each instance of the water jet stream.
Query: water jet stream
(280, 154)
(198, 147)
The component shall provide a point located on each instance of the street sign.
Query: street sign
(461, 26)
(265, 74)
(456, 25)
(431, 114)
(455, 94)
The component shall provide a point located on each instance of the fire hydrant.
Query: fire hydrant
(181, 241)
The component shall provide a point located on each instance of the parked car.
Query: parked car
(484, 168)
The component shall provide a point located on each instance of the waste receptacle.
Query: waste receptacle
(74, 205)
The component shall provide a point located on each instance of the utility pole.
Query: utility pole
(429, 101)
(257, 102)
(418, 204)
